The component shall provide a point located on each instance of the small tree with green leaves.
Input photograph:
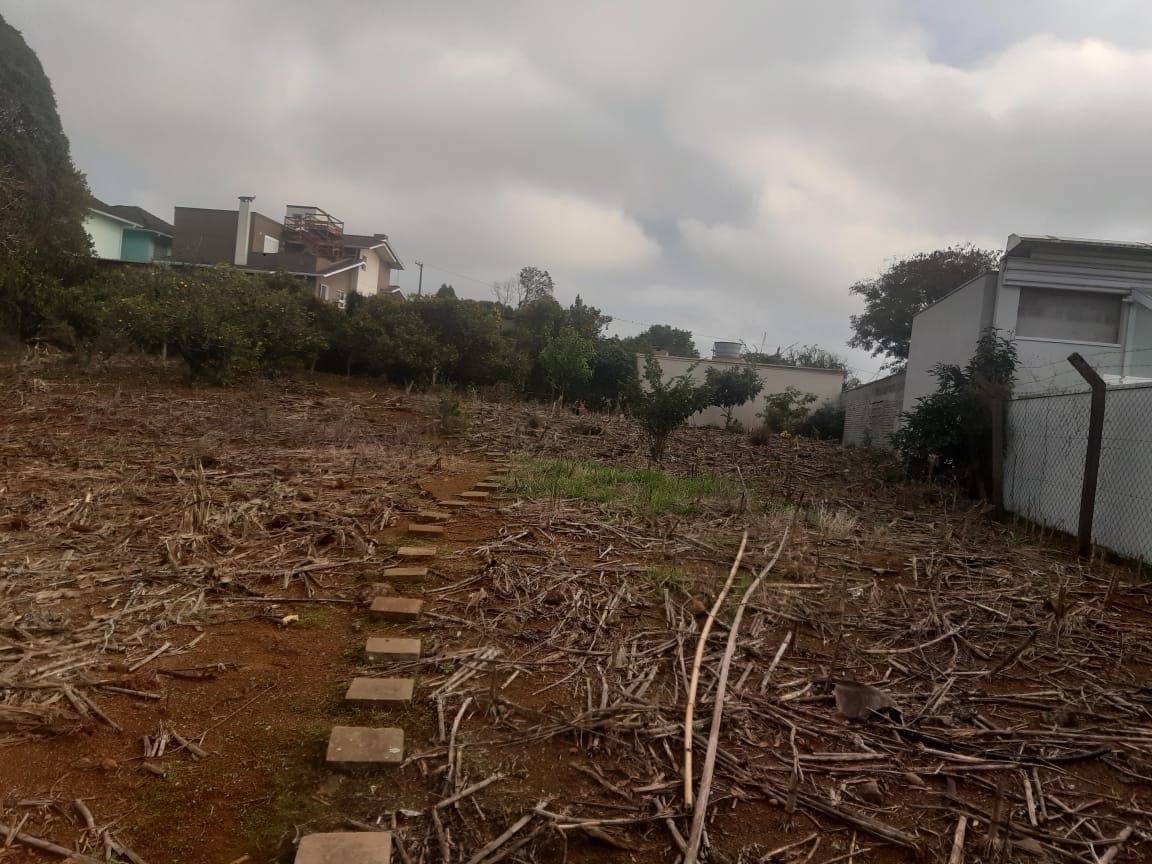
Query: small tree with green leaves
(952, 428)
(783, 411)
(663, 407)
(565, 362)
(731, 387)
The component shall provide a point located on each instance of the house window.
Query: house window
(341, 299)
(323, 291)
(1075, 316)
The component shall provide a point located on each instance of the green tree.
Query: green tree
(534, 284)
(222, 322)
(615, 381)
(783, 411)
(468, 332)
(908, 286)
(587, 320)
(730, 387)
(663, 337)
(566, 361)
(807, 356)
(446, 292)
(43, 198)
(663, 407)
(952, 428)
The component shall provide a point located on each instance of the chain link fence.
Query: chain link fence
(1046, 439)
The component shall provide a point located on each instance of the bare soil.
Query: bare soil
(137, 513)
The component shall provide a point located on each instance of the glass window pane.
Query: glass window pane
(1079, 316)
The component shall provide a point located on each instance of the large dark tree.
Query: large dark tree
(664, 337)
(43, 197)
(909, 285)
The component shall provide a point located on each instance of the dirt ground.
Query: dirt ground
(137, 514)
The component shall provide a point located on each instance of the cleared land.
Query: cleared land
(153, 539)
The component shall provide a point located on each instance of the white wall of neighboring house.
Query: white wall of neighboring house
(368, 277)
(107, 235)
(1091, 300)
(947, 332)
(824, 383)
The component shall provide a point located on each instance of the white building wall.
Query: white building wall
(1043, 363)
(107, 235)
(947, 332)
(824, 383)
(367, 280)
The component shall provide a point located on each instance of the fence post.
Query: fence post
(1092, 457)
(998, 457)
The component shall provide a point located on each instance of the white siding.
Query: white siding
(367, 279)
(1043, 362)
(107, 235)
(824, 383)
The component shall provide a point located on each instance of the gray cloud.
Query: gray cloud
(730, 167)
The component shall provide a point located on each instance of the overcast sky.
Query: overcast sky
(728, 167)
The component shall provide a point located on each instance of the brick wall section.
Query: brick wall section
(872, 412)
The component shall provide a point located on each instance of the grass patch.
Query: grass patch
(642, 490)
(314, 617)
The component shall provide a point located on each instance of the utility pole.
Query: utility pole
(420, 284)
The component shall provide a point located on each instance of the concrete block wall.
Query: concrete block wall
(872, 411)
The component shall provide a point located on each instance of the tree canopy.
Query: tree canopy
(732, 386)
(809, 356)
(908, 286)
(663, 337)
(43, 198)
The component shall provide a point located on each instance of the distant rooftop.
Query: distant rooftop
(136, 215)
(1021, 244)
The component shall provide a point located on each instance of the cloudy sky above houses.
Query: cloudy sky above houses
(728, 167)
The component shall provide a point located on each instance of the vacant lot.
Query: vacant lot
(153, 540)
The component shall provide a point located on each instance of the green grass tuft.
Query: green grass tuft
(642, 490)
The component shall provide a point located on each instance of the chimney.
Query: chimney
(243, 230)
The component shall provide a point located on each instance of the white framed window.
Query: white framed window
(322, 291)
(1071, 316)
(341, 299)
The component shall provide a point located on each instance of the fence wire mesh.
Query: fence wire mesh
(1046, 438)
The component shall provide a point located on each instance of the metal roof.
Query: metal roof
(1021, 244)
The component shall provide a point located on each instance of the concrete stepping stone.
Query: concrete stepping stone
(405, 572)
(363, 746)
(454, 503)
(420, 528)
(397, 608)
(486, 485)
(379, 691)
(346, 847)
(476, 495)
(433, 516)
(416, 552)
(381, 648)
